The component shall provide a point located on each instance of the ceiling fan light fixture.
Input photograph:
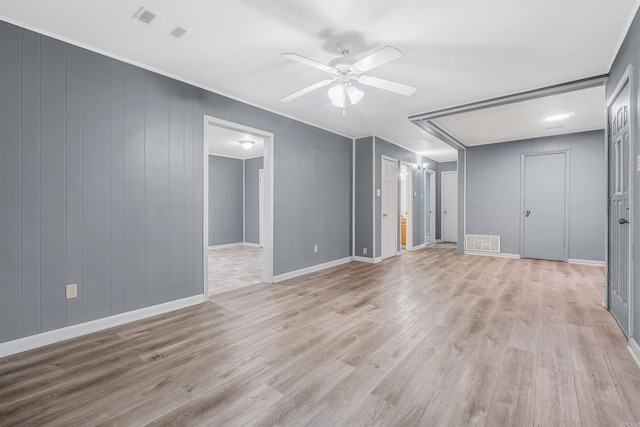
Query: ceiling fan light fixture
(247, 144)
(340, 93)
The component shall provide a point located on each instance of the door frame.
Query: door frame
(260, 205)
(442, 174)
(396, 208)
(432, 205)
(625, 79)
(409, 195)
(567, 196)
(267, 249)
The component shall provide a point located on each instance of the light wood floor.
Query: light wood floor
(428, 338)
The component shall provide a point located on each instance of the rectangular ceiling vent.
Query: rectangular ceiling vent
(480, 243)
(159, 22)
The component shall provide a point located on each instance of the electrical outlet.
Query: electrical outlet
(315, 248)
(364, 251)
(71, 291)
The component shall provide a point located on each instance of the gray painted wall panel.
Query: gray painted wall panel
(442, 167)
(96, 283)
(134, 188)
(113, 163)
(199, 241)
(73, 152)
(157, 210)
(251, 199)
(30, 183)
(190, 226)
(52, 185)
(629, 54)
(225, 200)
(10, 213)
(493, 191)
(364, 197)
(116, 187)
(176, 184)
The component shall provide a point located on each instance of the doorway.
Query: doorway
(406, 206)
(620, 219)
(238, 212)
(544, 197)
(389, 207)
(449, 212)
(430, 204)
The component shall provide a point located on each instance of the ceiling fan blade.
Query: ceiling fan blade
(382, 56)
(307, 90)
(307, 61)
(389, 85)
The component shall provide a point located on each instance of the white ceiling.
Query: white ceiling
(226, 142)
(526, 119)
(455, 52)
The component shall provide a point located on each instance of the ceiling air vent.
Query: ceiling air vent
(159, 22)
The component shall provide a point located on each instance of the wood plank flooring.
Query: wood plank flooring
(430, 338)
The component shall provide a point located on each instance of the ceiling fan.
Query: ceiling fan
(347, 69)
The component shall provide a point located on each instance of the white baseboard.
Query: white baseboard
(234, 245)
(365, 259)
(312, 269)
(419, 246)
(634, 349)
(227, 245)
(68, 332)
(586, 262)
(493, 254)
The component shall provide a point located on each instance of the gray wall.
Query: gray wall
(630, 54)
(364, 196)
(386, 148)
(251, 199)
(493, 191)
(444, 167)
(225, 200)
(101, 182)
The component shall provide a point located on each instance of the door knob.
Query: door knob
(384, 215)
(527, 213)
(623, 221)
(445, 211)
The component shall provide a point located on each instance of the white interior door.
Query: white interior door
(449, 206)
(389, 200)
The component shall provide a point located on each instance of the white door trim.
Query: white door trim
(442, 174)
(432, 205)
(396, 206)
(267, 258)
(260, 205)
(409, 196)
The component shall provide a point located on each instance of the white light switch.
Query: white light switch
(378, 192)
(638, 163)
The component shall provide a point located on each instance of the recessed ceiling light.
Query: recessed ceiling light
(558, 117)
(247, 144)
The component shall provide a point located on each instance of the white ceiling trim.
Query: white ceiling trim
(158, 71)
(623, 35)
